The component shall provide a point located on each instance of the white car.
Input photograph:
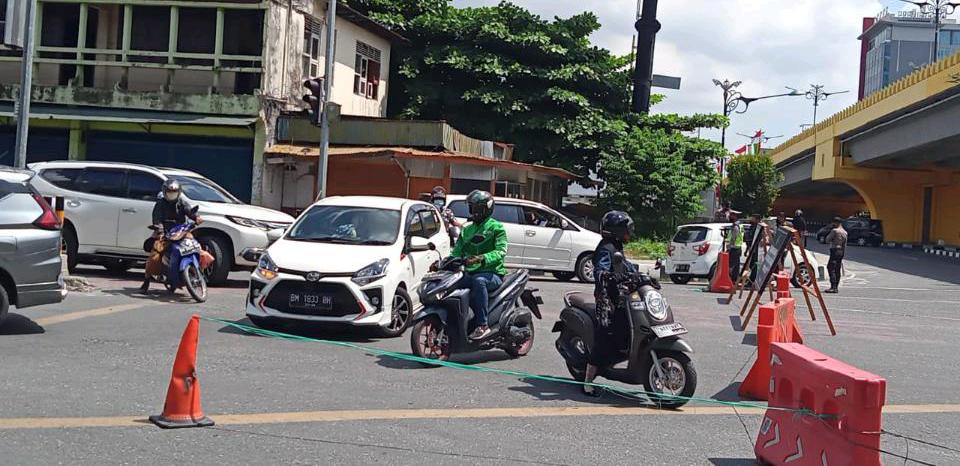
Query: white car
(539, 237)
(352, 261)
(108, 207)
(694, 250)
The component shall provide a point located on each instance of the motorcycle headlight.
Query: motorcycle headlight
(371, 273)
(266, 268)
(656, 305)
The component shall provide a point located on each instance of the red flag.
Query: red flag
(759, 134)
(742, 150)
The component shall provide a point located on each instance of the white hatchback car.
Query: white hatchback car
(539, 238)
(110, 205)
(694, 250)
(352, 261)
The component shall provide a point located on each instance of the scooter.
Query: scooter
(657, 357)
(442, 327)
(181, 261)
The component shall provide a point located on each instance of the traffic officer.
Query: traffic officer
(735, 244)
(837, 240)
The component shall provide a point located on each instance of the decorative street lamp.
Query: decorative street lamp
(940, 9)
(817, 95)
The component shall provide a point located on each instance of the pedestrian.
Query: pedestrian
(782, 220)
(735, 244)
(837, 239)
(801, 225)
(756, 228)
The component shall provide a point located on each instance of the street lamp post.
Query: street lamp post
(817, 95)
(940, 9)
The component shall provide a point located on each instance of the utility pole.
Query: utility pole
(647, 27)
(26, 87)
(328, 63)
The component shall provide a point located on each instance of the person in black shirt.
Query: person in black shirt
(169, 210)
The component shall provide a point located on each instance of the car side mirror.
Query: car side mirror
(420, 244)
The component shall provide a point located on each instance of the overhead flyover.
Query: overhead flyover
(895, 154)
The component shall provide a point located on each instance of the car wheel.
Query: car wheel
(801, 274)
(4, 304)
(401, 310)
(71, 246)
(585, 268)
(861, 241)
(565, 276)
(713, 270)
(681, 279)
(217, 273)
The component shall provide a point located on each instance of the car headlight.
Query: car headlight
(656, 305)
(371, 273)
(248, 222)
(266, 268)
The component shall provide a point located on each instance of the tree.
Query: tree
(658, 174)
(753, 183)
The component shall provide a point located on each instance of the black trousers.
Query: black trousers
(735, 263)
(835, 266)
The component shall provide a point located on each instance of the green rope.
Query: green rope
(519, 374)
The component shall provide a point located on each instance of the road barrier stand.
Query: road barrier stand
(182, 407)
(846, 402)
(721, 282)
(777, 324)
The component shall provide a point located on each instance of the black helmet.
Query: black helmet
(617, 225)
(171, 190)
(480, 204)
(438, 197)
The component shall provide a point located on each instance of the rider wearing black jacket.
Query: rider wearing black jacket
(610, 324)
(170, 209)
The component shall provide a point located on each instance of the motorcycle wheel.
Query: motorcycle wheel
(428, 340)
(195, 283)
(681, 379)
(522, 349)
(577, 368)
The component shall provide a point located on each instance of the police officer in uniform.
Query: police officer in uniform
(735, 244)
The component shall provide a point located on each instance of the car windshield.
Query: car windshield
(347, 225)
(204, 190)
(690, 235)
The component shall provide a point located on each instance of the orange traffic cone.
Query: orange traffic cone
(721, 282)
(182, 408)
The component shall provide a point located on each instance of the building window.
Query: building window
(311, 48)
(366, 78)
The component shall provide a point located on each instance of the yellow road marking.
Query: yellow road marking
(413, 414)
(61, 318)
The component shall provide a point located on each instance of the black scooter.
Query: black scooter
(652, 335)
(442, 327)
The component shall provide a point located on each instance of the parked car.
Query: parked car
(110, 205)
(694, 250)
(353, 261)
(860, 231)
(30, 268)
(540, 238)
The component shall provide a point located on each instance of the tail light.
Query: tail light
(670, 250)
(48, 219)
(703, 248)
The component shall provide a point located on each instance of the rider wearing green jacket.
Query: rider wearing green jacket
(483, 245)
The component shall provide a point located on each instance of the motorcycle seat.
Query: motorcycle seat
(583, 301)
(508, 280)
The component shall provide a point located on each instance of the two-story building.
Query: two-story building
(213, 85)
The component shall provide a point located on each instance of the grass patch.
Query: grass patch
(646, 249)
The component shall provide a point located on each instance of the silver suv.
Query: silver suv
(110, 205)
(29, 245)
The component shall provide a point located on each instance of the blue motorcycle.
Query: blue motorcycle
(181, 261)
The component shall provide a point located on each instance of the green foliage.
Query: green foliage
(753, 184)
(646, 249)
(502, 73)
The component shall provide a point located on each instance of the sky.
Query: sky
(767, 44)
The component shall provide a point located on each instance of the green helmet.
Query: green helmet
(480, 204)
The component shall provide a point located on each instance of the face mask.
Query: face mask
(439, 203)
(171, 195)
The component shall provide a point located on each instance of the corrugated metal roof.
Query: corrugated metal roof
(296, 150)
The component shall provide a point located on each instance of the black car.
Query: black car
(860, 231)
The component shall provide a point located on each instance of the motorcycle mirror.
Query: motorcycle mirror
(431, 246)
(195, 209)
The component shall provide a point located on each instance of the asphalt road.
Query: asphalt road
(100, 362)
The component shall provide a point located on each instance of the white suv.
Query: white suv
(110, 205)
(349, 261)
(694, 250)
(540, 238)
